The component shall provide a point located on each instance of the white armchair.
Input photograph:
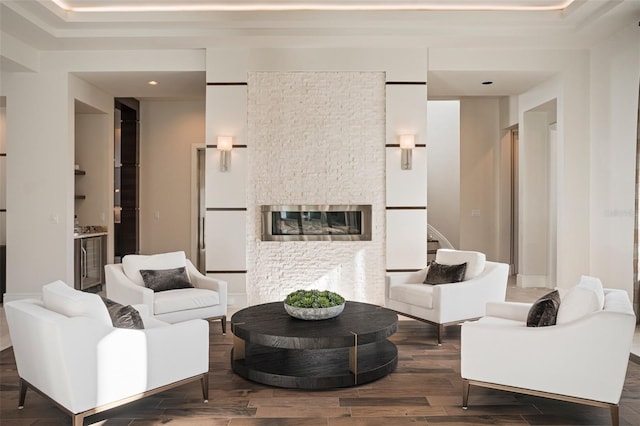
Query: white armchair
(581, 359)
(67, 349)
(448, 304)
(207, 299)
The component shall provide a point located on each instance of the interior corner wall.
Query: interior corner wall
(168, 132)
(614, 80)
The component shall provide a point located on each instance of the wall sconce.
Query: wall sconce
(407, 143)
(225, 143)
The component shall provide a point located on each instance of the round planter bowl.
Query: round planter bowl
(314, 313)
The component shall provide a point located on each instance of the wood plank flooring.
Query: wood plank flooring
(424, 389)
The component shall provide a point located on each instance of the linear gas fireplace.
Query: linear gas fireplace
(316, 223)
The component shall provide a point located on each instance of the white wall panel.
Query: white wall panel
(226, 189)
(443, 165)
(225, 236)
(236, 288)
(231, 65)
(406, 111)
(404, 250)
(406, 187)
(227, 113)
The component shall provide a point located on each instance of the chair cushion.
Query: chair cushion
(475, 260)
(544, 310)
(584, 298)
(184, 299)
(444, 274)
(123, 316)
(413, 294)
(133, 263)
(166, 279)
(61, 298)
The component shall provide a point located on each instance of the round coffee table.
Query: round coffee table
(276, 349)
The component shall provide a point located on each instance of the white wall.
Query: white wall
(443, 168)
(569, 90)
(168, 131)
(615, 74)
(92, 147)
(40, 181)
(534, 200)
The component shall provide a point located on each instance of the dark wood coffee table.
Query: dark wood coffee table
(276, 349)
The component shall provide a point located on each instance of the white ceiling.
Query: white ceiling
(45, 25)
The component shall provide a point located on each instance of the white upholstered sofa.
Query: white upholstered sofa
(206, 300)
(67, 349)
(583, 358)
(448, 304)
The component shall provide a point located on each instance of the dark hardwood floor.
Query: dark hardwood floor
(424, 389)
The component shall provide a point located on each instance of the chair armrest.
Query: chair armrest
(142, 309)
(468, 299)
(127, 362)
(406, 277)
(516, 311)
(189, 356)
(202, 281)
(121, 289)
(558, 359)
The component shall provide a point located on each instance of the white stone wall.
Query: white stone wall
(316, 138)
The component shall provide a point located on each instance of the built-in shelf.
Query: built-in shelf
(80, 173)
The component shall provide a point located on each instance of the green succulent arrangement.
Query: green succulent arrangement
(313, 299)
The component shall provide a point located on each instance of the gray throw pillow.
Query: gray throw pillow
(544, 311)
(165, 279)
(444, 274)
(123, 316)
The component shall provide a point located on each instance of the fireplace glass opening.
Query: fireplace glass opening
(317, 222)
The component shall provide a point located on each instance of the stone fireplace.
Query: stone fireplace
(317, 138)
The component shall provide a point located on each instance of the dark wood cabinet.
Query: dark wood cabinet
(126, 177)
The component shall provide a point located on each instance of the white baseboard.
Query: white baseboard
(236, 301)
(528, 281)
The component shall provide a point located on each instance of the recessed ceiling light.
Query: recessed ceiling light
(486, 83)
(153, 83)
